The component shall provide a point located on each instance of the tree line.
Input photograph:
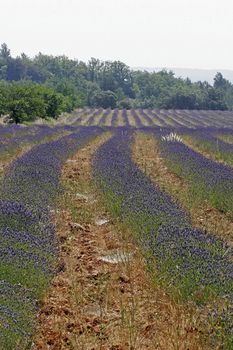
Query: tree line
(45, 85)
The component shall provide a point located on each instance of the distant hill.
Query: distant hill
(192, 73)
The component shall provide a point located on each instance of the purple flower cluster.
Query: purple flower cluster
(14, 137)
(113, 161)
(189, 259)
(148, 120)
(28, 246)
(183, 119)
(195, 254)
(91, 120)
(155, 117)
(125, 117)
(160, 118)
(208, 179)
(137, 119)
(207, 140)
(104, 117)
(17, 303)
(191, 118)
(114, 117)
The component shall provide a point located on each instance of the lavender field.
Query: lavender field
(192, 264)
(151, 118)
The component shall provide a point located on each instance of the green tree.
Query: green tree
(104, 99)
(4, 92)
(27, 101)
(54, 104)
(110, 84)
(73, 98)
(24, 103)
(5, 53)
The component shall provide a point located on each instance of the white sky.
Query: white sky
(149, 33)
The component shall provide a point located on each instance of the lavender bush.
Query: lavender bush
(207, 179)
(28, 247)
(187, 259)
(207, 140)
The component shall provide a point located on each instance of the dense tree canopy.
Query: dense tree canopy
(27, 101)
(70, 83)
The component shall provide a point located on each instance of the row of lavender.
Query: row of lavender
(153, 118)
(212, 142)
(13, 137)
(188, 259)
(28, 246)
(207, 179)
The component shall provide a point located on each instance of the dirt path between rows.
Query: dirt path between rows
(102, 298)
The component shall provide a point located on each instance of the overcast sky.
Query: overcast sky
(148, 33)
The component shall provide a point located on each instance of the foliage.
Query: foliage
(105, 99)
(26, 101)
(110, 84)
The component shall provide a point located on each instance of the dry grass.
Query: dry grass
(97, 305)
(147, 156)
